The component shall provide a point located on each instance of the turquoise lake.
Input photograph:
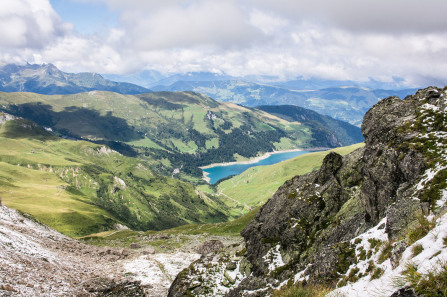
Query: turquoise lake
(218, 172)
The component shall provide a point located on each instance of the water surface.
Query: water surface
(218, 172)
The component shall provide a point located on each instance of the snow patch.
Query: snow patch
(434, 253)
(273, 258)
(159, 270)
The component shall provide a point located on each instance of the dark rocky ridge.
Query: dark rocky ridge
(304, 231)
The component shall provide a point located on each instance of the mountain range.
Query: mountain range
(346, 103)
(344, 100)
(48, 79)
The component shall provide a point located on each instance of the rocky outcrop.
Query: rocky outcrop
(405, 292)
(308, 231)
(387, 174)
(305, 227)
(105, 287)
(4, 117)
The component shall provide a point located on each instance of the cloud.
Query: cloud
(29, 24)
(329, 39)
(397, 16)
(216, 23)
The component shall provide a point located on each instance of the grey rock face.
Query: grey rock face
(384, 172)
(102, 286)
(396, 254)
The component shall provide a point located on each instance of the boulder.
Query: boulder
(211, 246)
(405, 292)
(148, 250)
(98, 284)
(135, 246)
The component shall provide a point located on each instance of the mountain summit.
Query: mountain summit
(48, 79)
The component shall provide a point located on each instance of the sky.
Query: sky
(384, 40)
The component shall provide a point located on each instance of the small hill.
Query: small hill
(48, 79)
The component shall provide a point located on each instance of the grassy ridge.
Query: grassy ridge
(80, 188)
(170, 130)
(255, 185)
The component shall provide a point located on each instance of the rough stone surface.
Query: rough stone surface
(149, 251)
(396, 254)
(383, 173)
(210, 246)
(135, 246)
(405, 292)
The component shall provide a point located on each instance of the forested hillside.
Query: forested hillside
(176, 132)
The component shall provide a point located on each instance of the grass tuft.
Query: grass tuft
(420, 230)
(430, 284)
(385, 253)
(302, 291)
(417, 249)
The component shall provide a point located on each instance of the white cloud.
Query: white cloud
(29, 24)
(215, 23)
(324, 38)
(394, 16)
(268, 23)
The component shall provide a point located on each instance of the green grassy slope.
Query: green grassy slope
(172, 130)
(254, 186)
(80, 188)
(262, 183)
(170, 239)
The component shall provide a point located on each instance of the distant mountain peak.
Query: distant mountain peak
(48, 79)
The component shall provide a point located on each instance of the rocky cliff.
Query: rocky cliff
(356, 220)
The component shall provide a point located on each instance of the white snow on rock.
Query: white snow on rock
(429, 175)
(273, 258)
(433, 255)
(158, 270)
(428, 106)
(441, 202)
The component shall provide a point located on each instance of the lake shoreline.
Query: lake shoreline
(257, 159)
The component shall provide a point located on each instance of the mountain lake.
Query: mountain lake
(214, 173)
